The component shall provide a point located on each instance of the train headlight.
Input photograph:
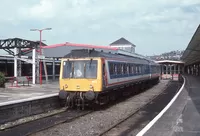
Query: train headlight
(66, 86)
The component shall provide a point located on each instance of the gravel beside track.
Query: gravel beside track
(96, 122)
(133, 124)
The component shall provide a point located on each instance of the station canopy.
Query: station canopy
(192, 53)
(169, 62)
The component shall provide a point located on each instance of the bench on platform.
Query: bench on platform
(20, 79)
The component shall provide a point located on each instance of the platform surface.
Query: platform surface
(11, 94)
(183, 117)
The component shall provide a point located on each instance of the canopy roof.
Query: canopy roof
(192, 53)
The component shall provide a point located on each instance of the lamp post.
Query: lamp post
(40, 30)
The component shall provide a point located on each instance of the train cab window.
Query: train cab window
(91, 69)
(67, 69)
(78, 69)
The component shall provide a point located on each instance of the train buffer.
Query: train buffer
(21, 79)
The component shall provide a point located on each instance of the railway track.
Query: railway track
(136, 120)
(43, 123)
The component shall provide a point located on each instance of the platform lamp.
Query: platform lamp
(40, 30)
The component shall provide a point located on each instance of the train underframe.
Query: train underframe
(95, 99)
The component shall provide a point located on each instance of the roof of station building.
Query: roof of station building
(122, 41)
(59, 50)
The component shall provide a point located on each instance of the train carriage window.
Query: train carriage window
(132, 67)
(139, 69)
(118, 69)
(115, 70)
(122, 69)
(143, 68)
(127, 68)
(136, 70)
(110, 67)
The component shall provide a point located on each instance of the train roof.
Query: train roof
(83, 53)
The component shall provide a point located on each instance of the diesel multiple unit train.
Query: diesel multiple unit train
(89, 76)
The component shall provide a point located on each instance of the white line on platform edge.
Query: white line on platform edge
(28, 99)
(150, 124)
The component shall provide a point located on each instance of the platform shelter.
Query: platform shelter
(171, 69)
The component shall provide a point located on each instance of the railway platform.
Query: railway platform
(24, 101)
(183, 116)
(11, 95)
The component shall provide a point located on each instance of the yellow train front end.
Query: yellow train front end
(80, 79)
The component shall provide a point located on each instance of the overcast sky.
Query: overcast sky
(154, 26)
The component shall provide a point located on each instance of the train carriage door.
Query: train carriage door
(104, 74)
